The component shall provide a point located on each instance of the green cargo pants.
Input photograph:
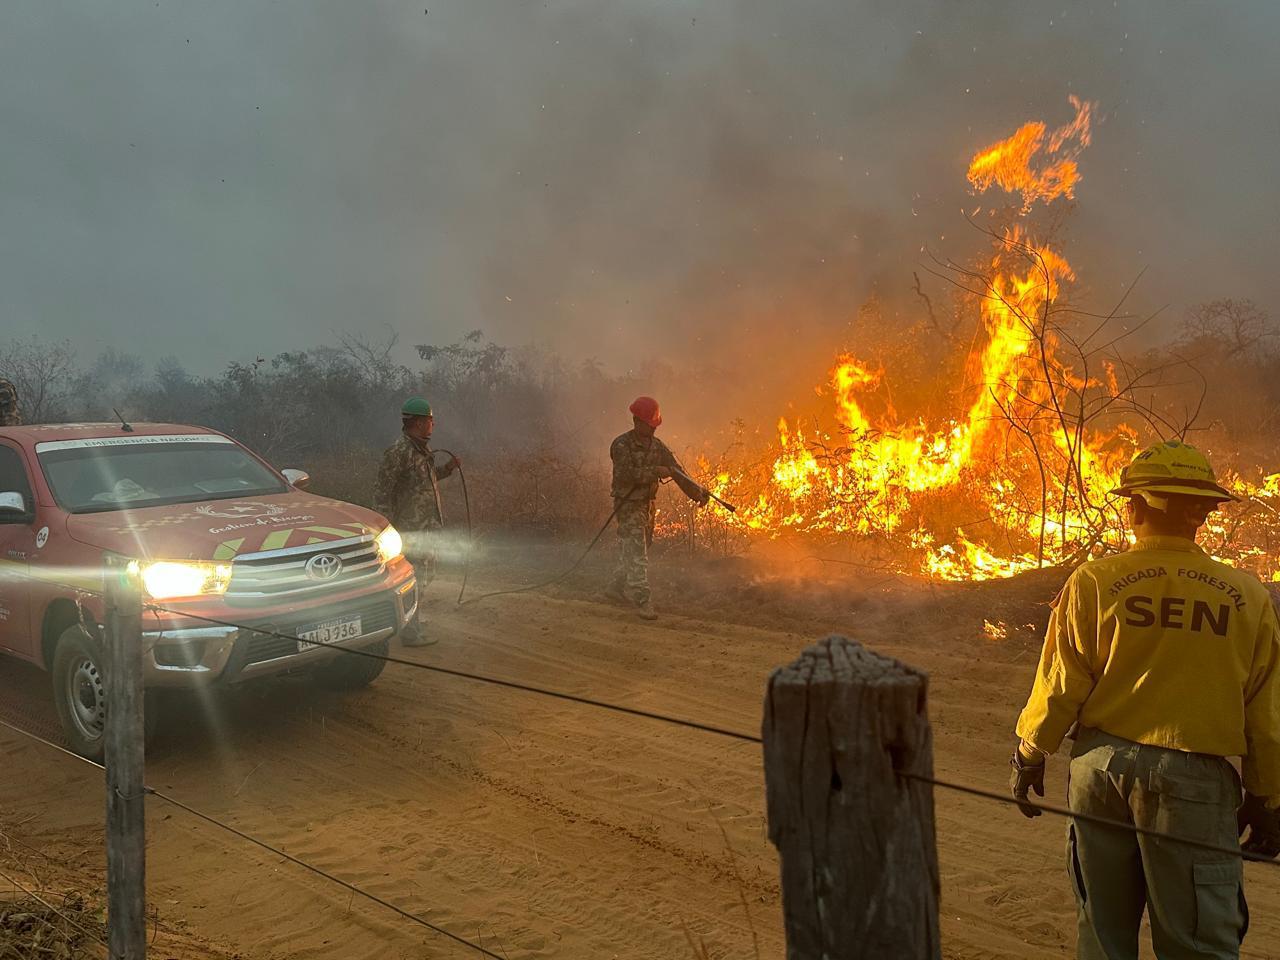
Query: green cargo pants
(635, 533)
(1195, 897)
(420, 552)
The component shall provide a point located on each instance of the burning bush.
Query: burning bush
(1047, 411)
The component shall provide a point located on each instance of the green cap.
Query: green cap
(415, 407)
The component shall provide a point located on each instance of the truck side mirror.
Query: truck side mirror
(12, 503)
(297, 478)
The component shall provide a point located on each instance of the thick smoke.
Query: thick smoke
(706, 192)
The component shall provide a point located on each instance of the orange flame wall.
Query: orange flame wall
(1018, 476)
(872, 476)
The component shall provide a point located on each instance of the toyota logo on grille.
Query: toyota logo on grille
(324, 566)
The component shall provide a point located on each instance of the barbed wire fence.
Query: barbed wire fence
(906, 767)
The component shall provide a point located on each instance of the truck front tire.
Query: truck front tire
(79, 693)
(350, 671)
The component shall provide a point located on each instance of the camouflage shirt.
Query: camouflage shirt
(407, 491)
(10, 410)
(636, 460)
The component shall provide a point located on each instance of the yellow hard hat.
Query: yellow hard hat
(1171, 467)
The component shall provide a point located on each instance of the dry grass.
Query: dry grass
(51, 928)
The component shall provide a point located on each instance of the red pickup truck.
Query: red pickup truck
(218, 532)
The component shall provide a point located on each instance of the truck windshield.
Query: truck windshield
(119, 473)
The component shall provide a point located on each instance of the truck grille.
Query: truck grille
(274, 574)
(376, 614)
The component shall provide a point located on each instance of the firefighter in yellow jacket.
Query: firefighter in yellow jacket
(1165, 661)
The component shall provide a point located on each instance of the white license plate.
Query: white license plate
(331, 631)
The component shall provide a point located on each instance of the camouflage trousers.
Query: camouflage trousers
(423, 558)
(1194, 897)
(635, 533)
(424, 568)
(420, 550)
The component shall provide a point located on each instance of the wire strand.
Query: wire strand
(276, 851)
(1087, 818)
(481, 678)
(192, 811)
(49, 743)
(12, 838)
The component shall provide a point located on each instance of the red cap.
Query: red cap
(646, 409)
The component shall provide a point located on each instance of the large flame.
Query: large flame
(1018, 477)
(1009, 163)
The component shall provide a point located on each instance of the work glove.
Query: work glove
(1263, 826)
(704, 496)
(1026, 777)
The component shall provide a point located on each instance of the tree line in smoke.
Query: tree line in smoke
(533, 428)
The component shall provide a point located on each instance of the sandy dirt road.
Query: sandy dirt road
(547, 829)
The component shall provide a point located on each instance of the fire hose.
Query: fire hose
(680, 474)
(471, 538)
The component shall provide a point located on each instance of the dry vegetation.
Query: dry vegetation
(42, 929)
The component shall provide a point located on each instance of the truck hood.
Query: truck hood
(224, 529)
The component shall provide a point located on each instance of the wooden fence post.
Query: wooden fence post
(125, 761)
(856, 841)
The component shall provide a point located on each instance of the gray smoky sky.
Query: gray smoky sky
(639, 180)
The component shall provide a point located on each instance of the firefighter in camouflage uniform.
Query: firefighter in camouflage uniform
(640, 463)
(10, 411)
(407, 493)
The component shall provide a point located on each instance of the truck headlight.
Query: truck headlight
(390, 544)
(171, 579)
